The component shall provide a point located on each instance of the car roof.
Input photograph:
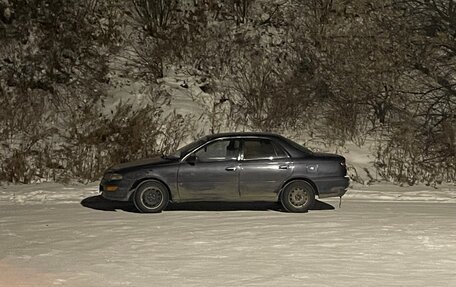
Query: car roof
(242, 134)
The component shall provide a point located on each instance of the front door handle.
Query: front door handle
(283, 166)
(231, 168)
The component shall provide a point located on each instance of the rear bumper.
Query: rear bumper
(332, 187)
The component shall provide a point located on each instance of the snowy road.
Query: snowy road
(365, 243)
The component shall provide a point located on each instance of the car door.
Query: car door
(264, 167)
(211, 172)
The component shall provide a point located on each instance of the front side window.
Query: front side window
(262, 149)
(219, 151)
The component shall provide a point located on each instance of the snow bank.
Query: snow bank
(57, 193)
(390, 192)
(42, 193)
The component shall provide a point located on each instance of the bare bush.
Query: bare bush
(330, 70)
(55, 68)
(88, 142)
(94, 142)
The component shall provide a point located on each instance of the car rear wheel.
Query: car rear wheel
(298, 196)
(151, 197)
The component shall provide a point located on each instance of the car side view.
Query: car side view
(230, 167)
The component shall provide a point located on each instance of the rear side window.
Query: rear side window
(262, 149)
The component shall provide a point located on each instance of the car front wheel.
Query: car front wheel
(298, 196)
(151, 197)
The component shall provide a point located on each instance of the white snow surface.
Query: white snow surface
(384, 235)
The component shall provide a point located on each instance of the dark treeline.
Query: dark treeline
(338, 71)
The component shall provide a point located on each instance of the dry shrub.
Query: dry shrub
(128, 134)
(82, 141)
(414, 154)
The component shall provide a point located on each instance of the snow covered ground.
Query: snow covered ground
(54, 235)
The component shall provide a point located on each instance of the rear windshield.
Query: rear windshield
(297, 146)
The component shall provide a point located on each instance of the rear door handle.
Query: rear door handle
(283, 166)
(231, 168)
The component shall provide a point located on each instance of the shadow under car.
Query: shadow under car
(99, 203)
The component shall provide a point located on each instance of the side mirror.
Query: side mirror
(192, 159)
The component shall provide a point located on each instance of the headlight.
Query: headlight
(114, 176)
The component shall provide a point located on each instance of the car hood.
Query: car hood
(156, 161)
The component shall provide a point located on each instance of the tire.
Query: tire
(298, 196)
(151, 197)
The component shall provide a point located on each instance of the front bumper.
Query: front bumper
(122, 193)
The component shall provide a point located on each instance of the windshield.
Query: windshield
(185, 149)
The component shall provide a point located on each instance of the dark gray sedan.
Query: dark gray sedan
(230, 167)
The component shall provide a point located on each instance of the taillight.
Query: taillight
(344, 167)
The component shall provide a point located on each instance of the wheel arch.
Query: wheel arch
(141, 181)
(308, 180)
